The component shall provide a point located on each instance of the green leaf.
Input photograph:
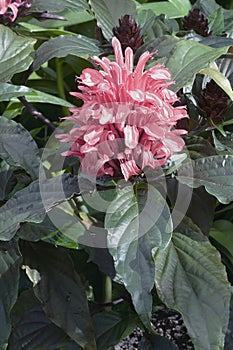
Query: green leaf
(223, 143)
(137, 222)
(215, 173)
(213, 72)
(198, 147)
(221, 235)
(10, 261)
(15, 57)
(155, 342)
(9, 91)
(7, 181)
(187, 58)
(216, 21)
(35, 331)
(171, 8)
(60, 290)
(58, 5)
(191, 279)
(64, 45)
(18, 148)
(108, 13)
(110, 327)
(27, 205)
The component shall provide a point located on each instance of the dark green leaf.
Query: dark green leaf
(60, 290)
(58, 5)
(18, 148)
(216, 21)
(171, 8)
(9, 91)
(36, 332)
(222, 237)
(27, 205)
(110, 327)
(214, 172)
(229, 335)
(65, 45)
(155, 342)
(7, 181)
(198, 147)
(191, 279)
(199, 207)
(15, 57)
(108, 13)
(10, 261)
(224, 144)
(187, 58)
(137, 222)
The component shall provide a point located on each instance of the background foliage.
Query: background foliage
(56, 292)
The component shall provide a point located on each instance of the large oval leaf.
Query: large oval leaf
(191, 279)
(170, 8)
(64, 45)
(14, 53)
(18, 148)
(187, 58)
(137, 221)
(10, 261)
(214, 172)
(108, 13)
(35, 331)
(9, 91)
(27, 205)
(58, 5)
(60, 290)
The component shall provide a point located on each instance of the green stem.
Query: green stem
(107, 291)
(60, 84)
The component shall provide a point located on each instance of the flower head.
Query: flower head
(127, 120)
(9, 8)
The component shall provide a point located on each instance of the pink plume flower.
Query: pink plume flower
(10, 8)
(127, 120)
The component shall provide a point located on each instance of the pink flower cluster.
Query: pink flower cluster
(127, 120)
(10, 8)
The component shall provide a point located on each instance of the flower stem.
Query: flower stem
(60, 84)
(107, 292)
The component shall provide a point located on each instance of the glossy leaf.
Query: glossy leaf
(64, 45)
(187, 58)
(10, 261)
(191, 279)
(15, 57)
(137, 222)
(36, 332)
(9, 91)
(18, 148)
(213, 72)
(221, 235)
(27, 205)
(155, 342)
(58, 5)
(110, 327)
(171, 8)
(108, 13)
(60, 290)
(214, 172)
(7, 181)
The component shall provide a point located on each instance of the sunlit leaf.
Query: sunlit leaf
(214, 172)
(191, 279)
(136, 223)
(18, 148)
(15, 53)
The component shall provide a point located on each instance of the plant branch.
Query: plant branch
(36, 114)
